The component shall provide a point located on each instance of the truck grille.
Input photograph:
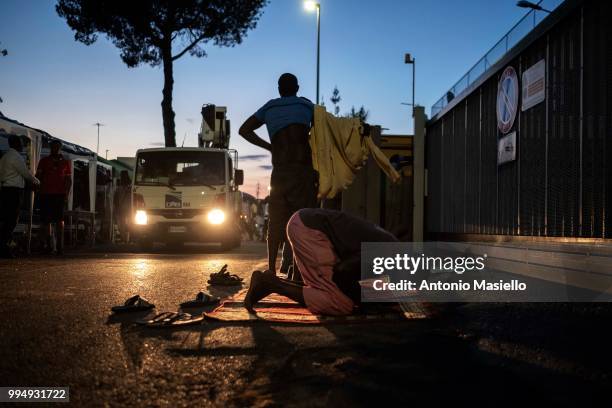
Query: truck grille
(176, 213)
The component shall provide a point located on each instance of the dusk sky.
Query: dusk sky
(50, 81)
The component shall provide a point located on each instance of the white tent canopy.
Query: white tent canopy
(33, 149)
(8, 127)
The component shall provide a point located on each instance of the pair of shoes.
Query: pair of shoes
(134, 304)
(137, 303)
(223, 278)
(201, 299)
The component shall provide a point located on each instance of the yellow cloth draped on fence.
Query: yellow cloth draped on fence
(339, 151)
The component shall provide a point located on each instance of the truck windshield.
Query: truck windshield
(177, 168)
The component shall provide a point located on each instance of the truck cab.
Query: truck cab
(186, 194)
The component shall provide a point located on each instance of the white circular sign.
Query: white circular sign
(507, 99)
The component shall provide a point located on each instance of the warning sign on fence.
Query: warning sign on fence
(534, 85)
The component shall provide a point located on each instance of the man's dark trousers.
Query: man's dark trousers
(12, 199)
(292, 188)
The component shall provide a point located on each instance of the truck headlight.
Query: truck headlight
(215, 216)
(141, 217)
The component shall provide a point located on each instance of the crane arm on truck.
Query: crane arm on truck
(215, 129)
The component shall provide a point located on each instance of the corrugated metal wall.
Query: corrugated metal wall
(532, 156)
(597, 122)
(560, 184)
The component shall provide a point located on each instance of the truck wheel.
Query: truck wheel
(145, 245)
(226, 246)
(230, 244)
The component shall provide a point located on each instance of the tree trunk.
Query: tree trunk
(167, 112)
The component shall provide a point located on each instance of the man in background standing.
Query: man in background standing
(293, 182)
(13, 174)
(122, 203)
(55, 173)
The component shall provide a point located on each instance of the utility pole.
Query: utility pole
(93, 205)
(98, 124)
(312, 5)
(318, 47)
(257, 191)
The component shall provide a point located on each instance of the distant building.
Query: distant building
(128, 161)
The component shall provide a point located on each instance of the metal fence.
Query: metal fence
(501, 48)
(560, 184)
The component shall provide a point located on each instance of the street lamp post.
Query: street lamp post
(533, 6)
(98, 124)
(92, 206)
(312, 6)
(409, 59)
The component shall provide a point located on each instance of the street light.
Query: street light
(409, 59)
(98, 124)
(530, 5)
(93, 204)
(311, 5)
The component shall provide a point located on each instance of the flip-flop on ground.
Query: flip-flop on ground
(171, 319)
(134, 304)
(201, 299)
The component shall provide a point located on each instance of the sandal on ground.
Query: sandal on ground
(223, 278)
(201, 299)
(134, 304)
(172, 319)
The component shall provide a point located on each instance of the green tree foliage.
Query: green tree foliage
(158, 32)
(335, 100)
(362, 113)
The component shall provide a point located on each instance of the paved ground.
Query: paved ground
(56, 331)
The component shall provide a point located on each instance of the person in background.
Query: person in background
(55, 173)
(122, 203)
(294, 181)
(13, 175)
(327, 250)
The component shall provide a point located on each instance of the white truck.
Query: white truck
(189, 194)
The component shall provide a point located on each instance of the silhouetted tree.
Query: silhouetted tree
(148, 31)
(335, 99)
(362, 113)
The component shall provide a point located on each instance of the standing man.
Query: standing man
(294, 181)
(13, 173)
(122, 204)
(55, 173)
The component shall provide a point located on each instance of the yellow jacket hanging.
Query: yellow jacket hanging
(339, 150)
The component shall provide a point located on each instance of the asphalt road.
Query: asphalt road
(56, 330)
